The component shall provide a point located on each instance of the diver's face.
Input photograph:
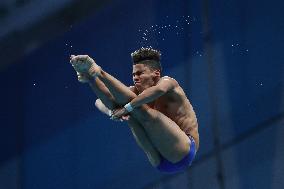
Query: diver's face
(144, 77)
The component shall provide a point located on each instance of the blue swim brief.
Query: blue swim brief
(168, 167)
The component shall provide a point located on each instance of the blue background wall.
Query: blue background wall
(227, 55)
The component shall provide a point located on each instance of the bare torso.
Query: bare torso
(175, 105)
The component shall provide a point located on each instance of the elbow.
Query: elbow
(98, 103)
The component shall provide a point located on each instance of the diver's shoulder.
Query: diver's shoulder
(168, 78)
(171, 79)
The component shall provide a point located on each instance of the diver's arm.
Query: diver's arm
(100, 105)
(148, 95)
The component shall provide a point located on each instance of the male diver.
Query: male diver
(156, 108)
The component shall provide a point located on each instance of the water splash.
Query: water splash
(155, 33)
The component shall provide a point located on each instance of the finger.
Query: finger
(116, 115)
(125, 117)
(114, 111)
(114, 118)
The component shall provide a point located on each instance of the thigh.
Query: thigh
(172, 143)
(144, 142)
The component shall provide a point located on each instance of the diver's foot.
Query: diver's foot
(95, 70)
(84, 64)
(83, 78)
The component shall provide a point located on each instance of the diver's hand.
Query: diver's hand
(121, 113)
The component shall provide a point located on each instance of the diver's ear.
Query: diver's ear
(157, 73)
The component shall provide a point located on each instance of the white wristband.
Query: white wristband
(128, 107)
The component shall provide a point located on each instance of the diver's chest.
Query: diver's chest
(165, 104)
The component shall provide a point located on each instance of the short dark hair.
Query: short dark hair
(149, 56)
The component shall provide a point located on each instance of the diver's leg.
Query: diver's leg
(84, 64)
(144, 142)
(171, 142)
(103, 93)
(121, 93)
(164, 133)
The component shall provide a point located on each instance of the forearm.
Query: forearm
(147, 96)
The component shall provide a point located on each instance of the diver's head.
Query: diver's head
(146, 68)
